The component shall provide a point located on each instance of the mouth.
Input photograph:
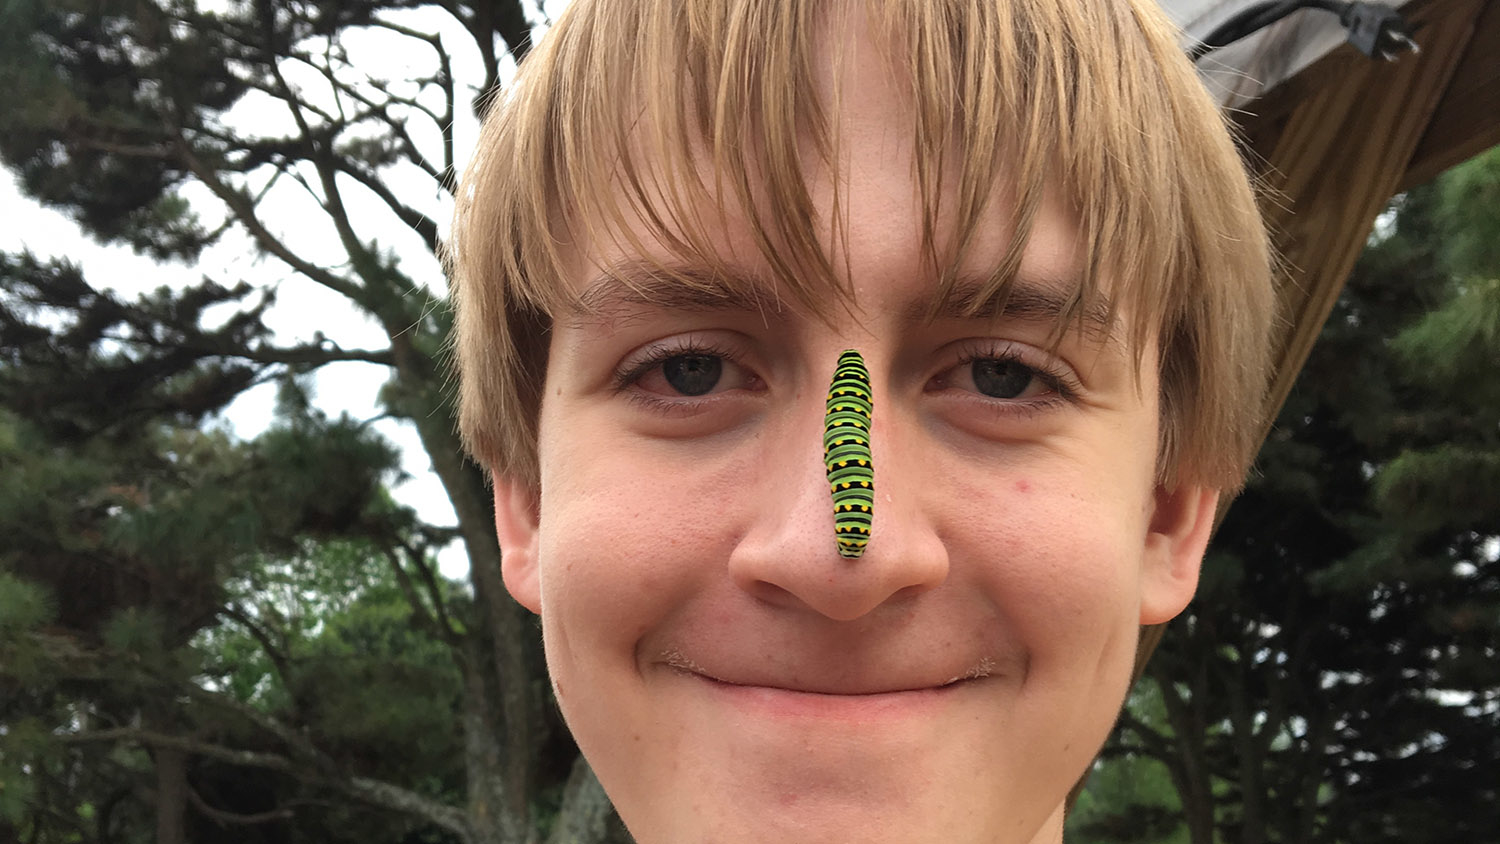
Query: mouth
(872, 690)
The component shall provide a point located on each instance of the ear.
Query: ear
(1181, 522)
(517, 516)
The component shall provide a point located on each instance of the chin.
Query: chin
(809, 776)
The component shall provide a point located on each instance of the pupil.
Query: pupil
(692, 375)
(1001, 379)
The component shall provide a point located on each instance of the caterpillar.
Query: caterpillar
(846, 452)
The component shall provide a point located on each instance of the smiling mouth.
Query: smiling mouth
(677, 661)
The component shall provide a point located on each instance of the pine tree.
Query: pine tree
(130, 117)
(150, 683)
(1336, 679)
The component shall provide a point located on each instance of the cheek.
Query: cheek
(1059, 558)
(1062, 571)
(627, 539)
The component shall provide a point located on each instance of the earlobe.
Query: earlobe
(1181, 523)
(516, 524)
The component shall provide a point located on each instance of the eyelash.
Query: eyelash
(1063, 386)
(654, 356)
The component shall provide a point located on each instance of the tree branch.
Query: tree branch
(434, 590)
(151, 738)
(307, 354)
(1156, 744)
(445, 81)
(259, 634)
(312, 354)
(244, 210)
(321, 155)
(425, 227)
(373, 792)
(299, 744)
(153, 151)
(381, 112)
(418, 607)
(387, 796)
(224, 818)
(392, 97)
(276, 92)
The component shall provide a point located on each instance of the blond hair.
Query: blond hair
(1090, 98)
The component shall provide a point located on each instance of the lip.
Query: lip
(772, 701)
(681, 663)
(776, 701)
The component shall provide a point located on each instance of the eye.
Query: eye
(1005, 378)
(692, 375)
(683, 368)
(1008, 373)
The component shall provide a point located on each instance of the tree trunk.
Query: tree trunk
(1252, 783)
(584, 817)
(503, 724)
(171, 796)
(491, 805)
(1194, 788)
(1312, 772)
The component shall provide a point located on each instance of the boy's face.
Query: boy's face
(731, 677)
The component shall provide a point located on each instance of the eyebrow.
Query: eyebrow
(1027, 299)
(630, 287)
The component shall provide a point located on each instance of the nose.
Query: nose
(790, 555)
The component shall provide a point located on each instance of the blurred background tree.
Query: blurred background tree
(1337, 679)
(204, 633)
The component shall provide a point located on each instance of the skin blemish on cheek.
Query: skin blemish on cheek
(1023, 486)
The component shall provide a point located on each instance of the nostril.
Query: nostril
(771, 594)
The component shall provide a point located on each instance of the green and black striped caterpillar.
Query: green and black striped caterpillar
(846, 451)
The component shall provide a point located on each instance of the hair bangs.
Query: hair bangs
(644, 125)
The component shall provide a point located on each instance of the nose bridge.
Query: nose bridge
(839, 551)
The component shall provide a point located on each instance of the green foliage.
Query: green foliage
(1130, 797)
(151, 570)
(1449, 486)
(1470, 216)
(23, 605)
(1338, 677)
(104, 81)
(1457, 344)
(79, 361)
(267, 597)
